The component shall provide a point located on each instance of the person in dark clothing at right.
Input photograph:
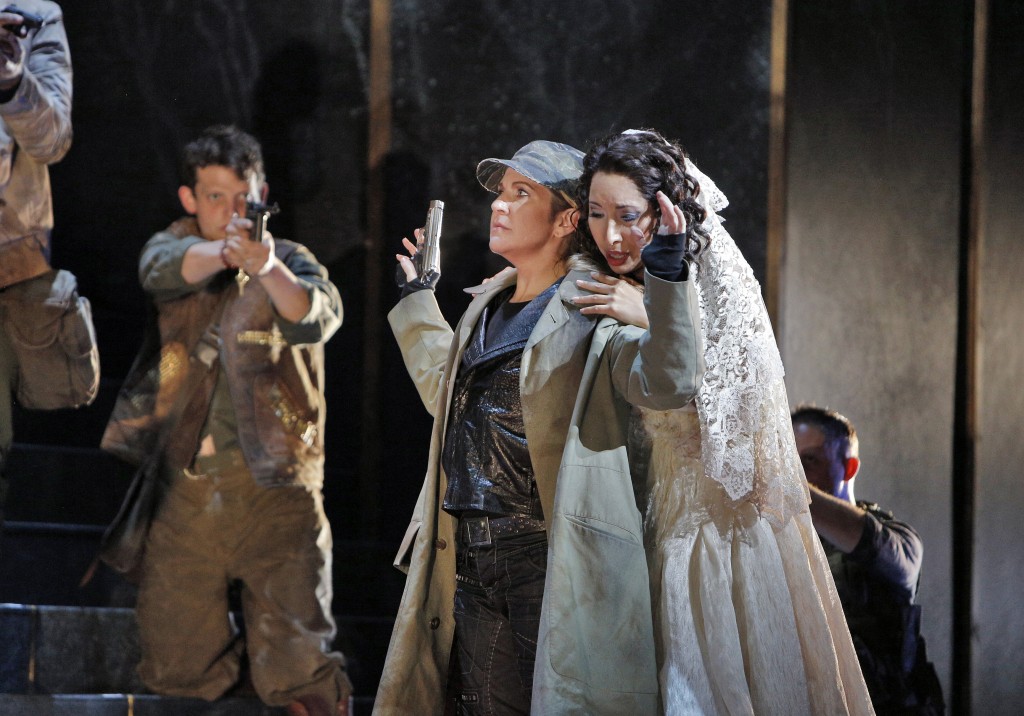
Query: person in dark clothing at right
(876, 563)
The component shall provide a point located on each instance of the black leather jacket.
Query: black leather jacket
(485, 454)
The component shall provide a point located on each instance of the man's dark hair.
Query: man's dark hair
(222, 145)
(837, 429)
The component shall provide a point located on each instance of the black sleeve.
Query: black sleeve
(665, 257)
(892, 551)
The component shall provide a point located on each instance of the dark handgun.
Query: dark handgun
(259, 213)
(29, 21)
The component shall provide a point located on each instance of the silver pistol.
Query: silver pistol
(428, 251)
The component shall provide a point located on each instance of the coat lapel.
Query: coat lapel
(551, 374)
(482, 295)
(555, 315)
(559, 314)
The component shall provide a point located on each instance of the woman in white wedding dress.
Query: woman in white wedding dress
(747, 617)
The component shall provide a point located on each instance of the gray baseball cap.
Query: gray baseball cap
(552, 164)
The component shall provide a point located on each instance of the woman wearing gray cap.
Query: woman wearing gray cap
(527, 583)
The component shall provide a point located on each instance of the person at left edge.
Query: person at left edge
(35, 131)
(245, 462)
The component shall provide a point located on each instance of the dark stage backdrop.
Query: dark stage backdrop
(868, 314)
(470, 80)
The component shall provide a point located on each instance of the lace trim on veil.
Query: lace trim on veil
(747, 441)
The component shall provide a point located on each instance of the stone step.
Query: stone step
(43, 563)
(54, 650)
(62, 650)
(131, 705)
(144, 705)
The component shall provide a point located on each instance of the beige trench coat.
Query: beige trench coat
(578, 375)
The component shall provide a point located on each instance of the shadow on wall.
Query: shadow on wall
(290, 79)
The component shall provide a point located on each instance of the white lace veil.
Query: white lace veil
(747, 441)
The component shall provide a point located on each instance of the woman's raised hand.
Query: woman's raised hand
(673, 220)
(405, 262)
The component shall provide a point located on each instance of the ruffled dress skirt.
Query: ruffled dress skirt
(747, 618)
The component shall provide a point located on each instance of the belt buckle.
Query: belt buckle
(477, 530)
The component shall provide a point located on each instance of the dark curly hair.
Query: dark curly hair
(221, 145)
(653, 163)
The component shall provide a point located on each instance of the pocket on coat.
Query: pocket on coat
(599, 604)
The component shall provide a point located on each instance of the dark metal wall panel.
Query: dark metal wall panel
(999, 556)
(476, 80)
(869, 291)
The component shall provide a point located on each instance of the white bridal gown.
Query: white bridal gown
(747, 619)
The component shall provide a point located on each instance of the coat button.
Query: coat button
(440, 543)
(435, 623)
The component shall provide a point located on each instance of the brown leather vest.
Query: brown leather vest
(276, 388)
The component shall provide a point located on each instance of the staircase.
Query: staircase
(72, 650)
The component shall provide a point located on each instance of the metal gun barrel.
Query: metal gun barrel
(431, 249)
(259, 214)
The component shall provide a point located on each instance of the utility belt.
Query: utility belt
(482, 531)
